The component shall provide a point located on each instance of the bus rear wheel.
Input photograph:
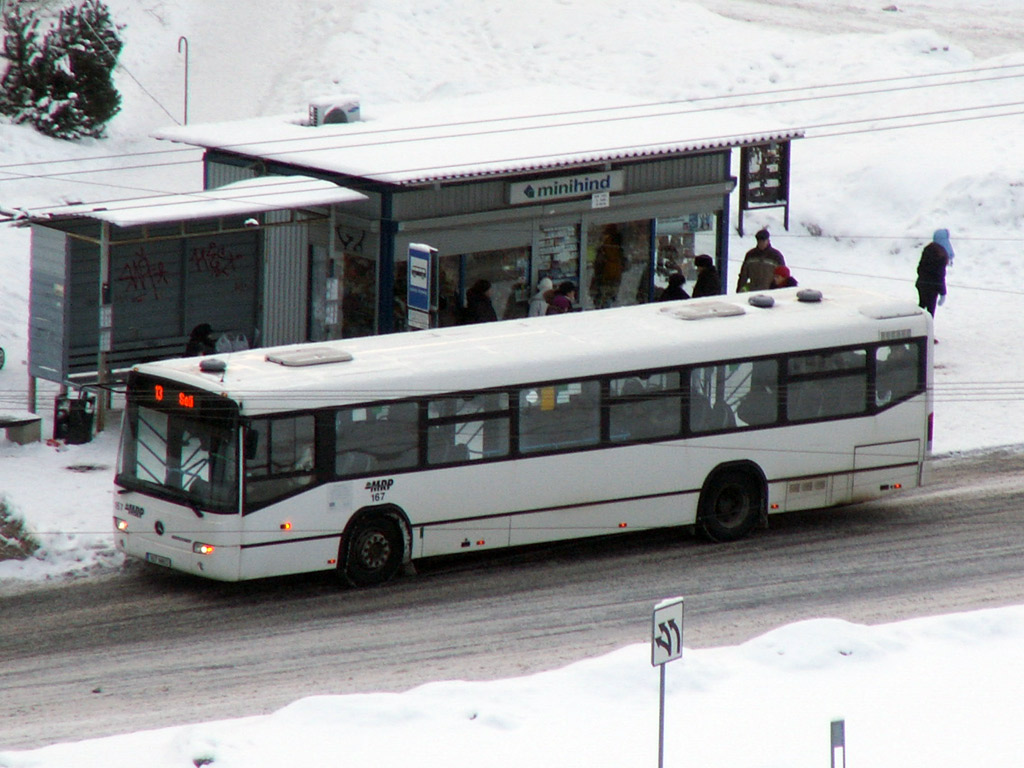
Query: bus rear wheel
(730, 506)
(373, 551)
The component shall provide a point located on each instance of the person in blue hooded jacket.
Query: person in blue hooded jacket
(941, 237)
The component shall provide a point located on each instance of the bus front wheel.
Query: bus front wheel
(730, 506)
(373, 551)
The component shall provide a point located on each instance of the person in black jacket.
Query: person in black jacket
(478, 303)
(708, 282)
(931, 277)
(201, 341)
(674, 290)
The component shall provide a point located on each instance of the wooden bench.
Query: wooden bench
(82, 361)
(22, 427)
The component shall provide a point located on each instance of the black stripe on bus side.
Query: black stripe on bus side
(797, 478)
(623, 500)
(292, 541)
(537, 510)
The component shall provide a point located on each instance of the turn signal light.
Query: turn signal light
(121, 525)
(203, 549)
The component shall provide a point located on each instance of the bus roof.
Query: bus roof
(569, 346)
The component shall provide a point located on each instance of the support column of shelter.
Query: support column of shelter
(105, 328)
(722, 246)
(386, 266)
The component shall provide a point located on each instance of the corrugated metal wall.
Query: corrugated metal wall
(218, 174)
(451, 200)
(285, 282)
(47, 304)
(82, 294)
(681, 172)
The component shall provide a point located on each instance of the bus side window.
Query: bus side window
(387, 434)
(643, 408)
(559, 416)
(465, 428)
(757, 395)
(709, 406)
(897, 372)
(280, 459)
(824, 385)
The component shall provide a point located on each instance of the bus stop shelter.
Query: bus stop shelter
(118, 283)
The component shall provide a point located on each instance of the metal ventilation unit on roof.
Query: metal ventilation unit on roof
(701, 310)
(303, 356)
(334, 109)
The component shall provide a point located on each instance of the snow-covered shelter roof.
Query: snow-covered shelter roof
(498, 134)
(267, 193)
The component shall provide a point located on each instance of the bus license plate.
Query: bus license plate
(158, 560)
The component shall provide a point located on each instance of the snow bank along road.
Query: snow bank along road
(144, 649)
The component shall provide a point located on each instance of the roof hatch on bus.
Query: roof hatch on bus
(294, 358)
(889, 309)
(705, 310)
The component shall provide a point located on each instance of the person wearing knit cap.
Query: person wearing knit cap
(782, 278)
(759, 264)
(708, 282)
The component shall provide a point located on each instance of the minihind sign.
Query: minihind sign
(564, 187)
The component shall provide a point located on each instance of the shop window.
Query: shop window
(505, 269)
(355, 277)
(558, 253)
(680, 239)
(618, 264)
(359, 298)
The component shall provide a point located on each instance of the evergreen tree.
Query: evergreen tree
(21, 83)
(63, 85)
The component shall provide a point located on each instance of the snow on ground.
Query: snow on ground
(936, 692)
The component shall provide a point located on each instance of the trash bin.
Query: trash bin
(73, 418)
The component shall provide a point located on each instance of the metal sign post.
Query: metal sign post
(666, 646)
(838, 744)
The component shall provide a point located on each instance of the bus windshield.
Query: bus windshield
(181, 458)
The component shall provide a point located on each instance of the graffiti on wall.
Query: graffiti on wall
(141, 279)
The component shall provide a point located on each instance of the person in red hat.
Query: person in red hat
(782, 278)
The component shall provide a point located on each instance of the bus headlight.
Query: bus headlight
(121, 525)
(203, 549)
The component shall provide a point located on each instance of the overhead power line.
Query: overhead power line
(369, 139)
(606, 115)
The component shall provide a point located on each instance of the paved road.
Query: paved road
(143, 649)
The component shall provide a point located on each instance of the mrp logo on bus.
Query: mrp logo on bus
(132, 509)
(378, 488)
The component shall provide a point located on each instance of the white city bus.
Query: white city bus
(364, 455)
